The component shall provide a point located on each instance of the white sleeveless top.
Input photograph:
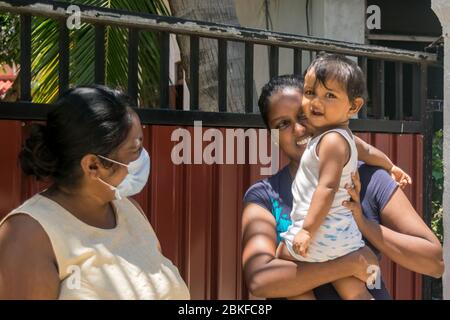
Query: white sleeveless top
(111, 264)
(307, 177)
(338, 235)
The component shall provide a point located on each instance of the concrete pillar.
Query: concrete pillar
(442, 10)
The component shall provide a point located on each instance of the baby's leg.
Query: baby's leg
(352, 288)
(283, 253)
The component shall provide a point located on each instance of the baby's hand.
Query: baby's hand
(400, 176)
(301, 242)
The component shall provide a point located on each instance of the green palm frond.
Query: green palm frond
(45, 55)
(9, 38)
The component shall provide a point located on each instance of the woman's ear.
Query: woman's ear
(90, 165)
(356, 106)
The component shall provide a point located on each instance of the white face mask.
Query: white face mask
(136, 179)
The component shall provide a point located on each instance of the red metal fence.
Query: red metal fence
(196, 209)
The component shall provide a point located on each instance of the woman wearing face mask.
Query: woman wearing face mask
(82, 238)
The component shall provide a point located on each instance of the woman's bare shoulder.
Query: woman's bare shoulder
(25, 251)
(22, 232)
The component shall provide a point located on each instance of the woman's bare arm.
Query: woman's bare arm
(267, 276)
(27, 263)
(403, 236)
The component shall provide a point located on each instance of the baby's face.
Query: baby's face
(325, 106)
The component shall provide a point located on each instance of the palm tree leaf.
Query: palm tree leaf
(45, 53)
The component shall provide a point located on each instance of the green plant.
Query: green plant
(45, 53)
(9, 42)
(438, 185)
(437, 191)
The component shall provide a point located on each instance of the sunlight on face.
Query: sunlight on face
(286, 115)
(325, 105)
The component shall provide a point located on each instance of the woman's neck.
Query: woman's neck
(85, 207)
(293, 167)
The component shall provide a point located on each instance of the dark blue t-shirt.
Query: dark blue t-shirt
(275, 195)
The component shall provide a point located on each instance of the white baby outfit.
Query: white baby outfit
(338, 235)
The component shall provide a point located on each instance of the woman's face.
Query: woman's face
(127, 152)
(285, 114)
(131, 147)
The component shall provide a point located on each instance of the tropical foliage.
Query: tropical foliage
(45, 56)
(438, 185)
(9, 44)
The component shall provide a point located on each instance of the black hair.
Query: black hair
(275, 85)
(84, 120)
(326, 66)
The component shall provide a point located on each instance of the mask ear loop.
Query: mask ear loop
(113, 188)
(117, 162)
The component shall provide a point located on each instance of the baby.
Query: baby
(322, 228)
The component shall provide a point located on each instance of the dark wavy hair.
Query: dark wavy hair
(275, 85)
(84, 120)
(328, 66)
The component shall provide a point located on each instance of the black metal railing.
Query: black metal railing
(368, 55)
(415, 118)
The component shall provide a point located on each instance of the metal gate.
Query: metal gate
(196, 209)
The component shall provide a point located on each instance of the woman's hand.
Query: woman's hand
(354, 204)
(366, 260)
(400, 176)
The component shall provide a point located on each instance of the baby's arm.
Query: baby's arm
(333, 151)
(374, 157)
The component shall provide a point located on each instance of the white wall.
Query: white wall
(287, 16)
(345, 20)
